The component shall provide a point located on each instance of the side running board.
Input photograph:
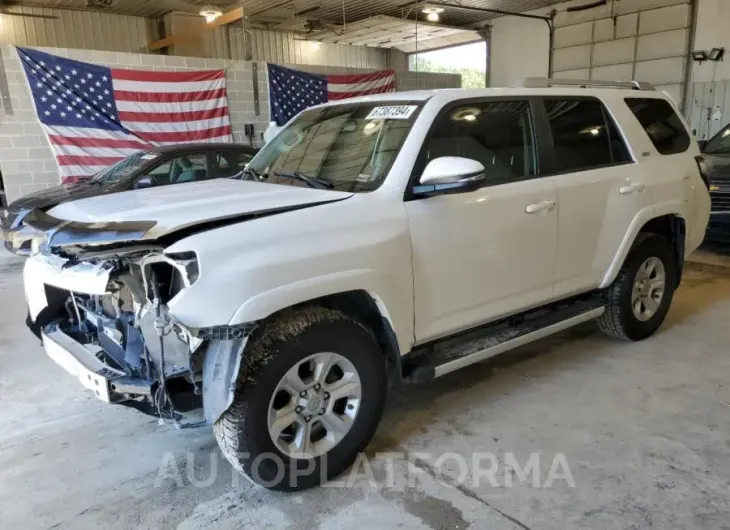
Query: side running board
(471, 347)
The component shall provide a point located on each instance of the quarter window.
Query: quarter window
(584, 135)
(499, 134)
(661, 123)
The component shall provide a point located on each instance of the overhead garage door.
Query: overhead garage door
(647, 44)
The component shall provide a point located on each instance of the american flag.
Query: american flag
(291, 91)
(95, 116)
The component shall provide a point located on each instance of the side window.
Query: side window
(584, 134)
(184, 168)
(229, 163)
(661, 123)
(499, 134)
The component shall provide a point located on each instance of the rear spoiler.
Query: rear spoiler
(37, 226)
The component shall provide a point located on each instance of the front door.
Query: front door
(488, 253)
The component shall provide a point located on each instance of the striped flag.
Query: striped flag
(291, 91)
(94, 116)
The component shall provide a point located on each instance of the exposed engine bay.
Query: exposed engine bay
(115, 304)
(101, 297)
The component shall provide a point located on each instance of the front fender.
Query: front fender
(375, 284)
(644, 216)
(221, 365)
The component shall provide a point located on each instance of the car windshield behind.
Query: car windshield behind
(347, 147)
(720, 143)
(124, 168)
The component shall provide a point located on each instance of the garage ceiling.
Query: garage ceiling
(284, 10)
(377, 23)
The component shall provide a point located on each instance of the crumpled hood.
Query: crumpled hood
(50, 197)
(173, 208)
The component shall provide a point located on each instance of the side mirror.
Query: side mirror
(702, 144)
(450, 174)
(145, 181)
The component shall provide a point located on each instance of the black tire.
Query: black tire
(242, 432)
(619, 320)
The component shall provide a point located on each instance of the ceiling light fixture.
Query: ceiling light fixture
(210, 13)
(468, 114)
(432, 13)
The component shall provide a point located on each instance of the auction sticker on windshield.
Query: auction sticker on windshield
(392, 112)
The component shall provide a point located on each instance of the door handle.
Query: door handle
(631, 188)
(544, 206)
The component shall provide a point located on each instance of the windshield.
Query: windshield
(124, 168)
(720, 143)
(345, 147)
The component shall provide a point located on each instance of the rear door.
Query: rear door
(600, 190)
(668, 159)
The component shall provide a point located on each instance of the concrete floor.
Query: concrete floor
(644, 429)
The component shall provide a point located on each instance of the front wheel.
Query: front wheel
(308, 399)
(638, 300)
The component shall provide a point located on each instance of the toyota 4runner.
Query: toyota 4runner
(381, 239)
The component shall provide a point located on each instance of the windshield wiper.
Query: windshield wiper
(312, 182)
(258, 177)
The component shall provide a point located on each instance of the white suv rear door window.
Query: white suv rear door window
(584, 135)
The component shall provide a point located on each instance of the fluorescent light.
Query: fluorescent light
(432, 17)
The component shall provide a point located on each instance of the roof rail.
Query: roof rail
(544, 82)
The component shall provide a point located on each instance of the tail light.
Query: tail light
(704, 170)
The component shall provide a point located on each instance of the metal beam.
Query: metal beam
(549, 20)
(688, 61)
(477, 9)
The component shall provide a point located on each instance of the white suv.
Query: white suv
(376, 240)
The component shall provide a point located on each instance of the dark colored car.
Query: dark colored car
(716, 153)
(158, 167)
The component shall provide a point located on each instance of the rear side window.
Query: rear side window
(661, 123)
(584, 135)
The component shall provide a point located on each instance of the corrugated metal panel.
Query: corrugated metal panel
(289, 48)
(74, 29)
(147, 8)
(706, 99)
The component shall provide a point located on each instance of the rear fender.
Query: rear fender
(644, 216)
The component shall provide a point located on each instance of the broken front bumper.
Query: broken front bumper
(107, 383)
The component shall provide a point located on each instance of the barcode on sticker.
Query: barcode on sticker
(392, 112)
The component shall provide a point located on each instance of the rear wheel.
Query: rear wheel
(639, 298)
(308, 399)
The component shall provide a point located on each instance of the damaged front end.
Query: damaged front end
(99, 299)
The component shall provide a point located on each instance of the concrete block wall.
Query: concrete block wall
(26, 161)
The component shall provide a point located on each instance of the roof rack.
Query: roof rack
(544, 82)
